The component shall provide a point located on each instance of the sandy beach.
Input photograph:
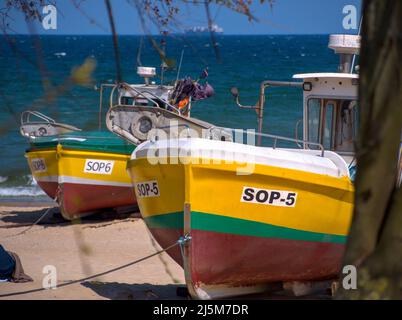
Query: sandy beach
(80, 250)
(98, 244)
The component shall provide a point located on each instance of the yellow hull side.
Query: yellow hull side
(71, 163)
(324, 203)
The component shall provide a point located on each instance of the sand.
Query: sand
(98, 244)
(81, 250)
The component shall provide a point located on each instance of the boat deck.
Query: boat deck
(102, 141)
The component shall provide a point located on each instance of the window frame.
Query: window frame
(324, 101)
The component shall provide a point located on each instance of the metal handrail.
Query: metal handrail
(141, 93)
(25, 117)
(275, 137)
(259, 107)
(103, 85)
(111, 104)
(297, 132)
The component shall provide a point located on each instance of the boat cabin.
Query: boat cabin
(330, 110)
(330, 101)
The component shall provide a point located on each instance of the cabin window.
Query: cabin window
(314, 108)
(332, 123)
(327, 127)
(347, 125)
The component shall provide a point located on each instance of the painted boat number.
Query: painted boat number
(147, 189)
(98, 166)
(277, 198)
(38, 165)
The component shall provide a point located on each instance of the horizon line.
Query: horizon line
(176, 34)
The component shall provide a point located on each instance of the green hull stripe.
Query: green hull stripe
(166, 221)
(222, 224)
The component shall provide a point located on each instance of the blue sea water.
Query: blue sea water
(245, 62)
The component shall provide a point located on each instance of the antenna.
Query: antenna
(354, 56)
(178, 70)
(139, 63)
(163, 64)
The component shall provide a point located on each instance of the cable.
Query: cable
(178, 242)
(35, 223)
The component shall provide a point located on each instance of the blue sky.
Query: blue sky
(286, 17)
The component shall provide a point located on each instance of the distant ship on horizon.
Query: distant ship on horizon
(202, 30)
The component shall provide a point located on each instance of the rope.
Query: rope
(180, 242)
(40, 218)
(165, 265)
(35, 223)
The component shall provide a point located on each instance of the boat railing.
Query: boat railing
(42, 125)
(142, 93)
(111, 98)
(297, 132)
(259, 106)
(275, 138)
(26, 118)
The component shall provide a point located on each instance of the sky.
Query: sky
(285, 17)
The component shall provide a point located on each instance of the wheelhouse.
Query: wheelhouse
(330, 110)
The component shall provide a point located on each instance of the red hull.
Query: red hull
(77, 200)
(165, 238)
(234, 260)
(50, 188)
(218, 258)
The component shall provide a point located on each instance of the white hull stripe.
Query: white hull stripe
(70, 179)
(47, 179)
(246, 156)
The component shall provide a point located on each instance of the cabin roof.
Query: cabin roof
(326, 75)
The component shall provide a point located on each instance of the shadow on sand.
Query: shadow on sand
(15, 219)
(144, 291)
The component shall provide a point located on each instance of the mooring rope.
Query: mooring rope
(165, 265)
(182, 240)
(36, 222)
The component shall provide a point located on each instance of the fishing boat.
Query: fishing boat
(43, 164)
(248, 214)
(85, 171)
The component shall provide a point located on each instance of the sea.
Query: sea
(30, 63)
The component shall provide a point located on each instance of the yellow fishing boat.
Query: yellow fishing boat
(286, 221)
(253, 215)
(85, 171)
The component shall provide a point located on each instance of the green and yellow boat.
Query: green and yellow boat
(83, 171)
